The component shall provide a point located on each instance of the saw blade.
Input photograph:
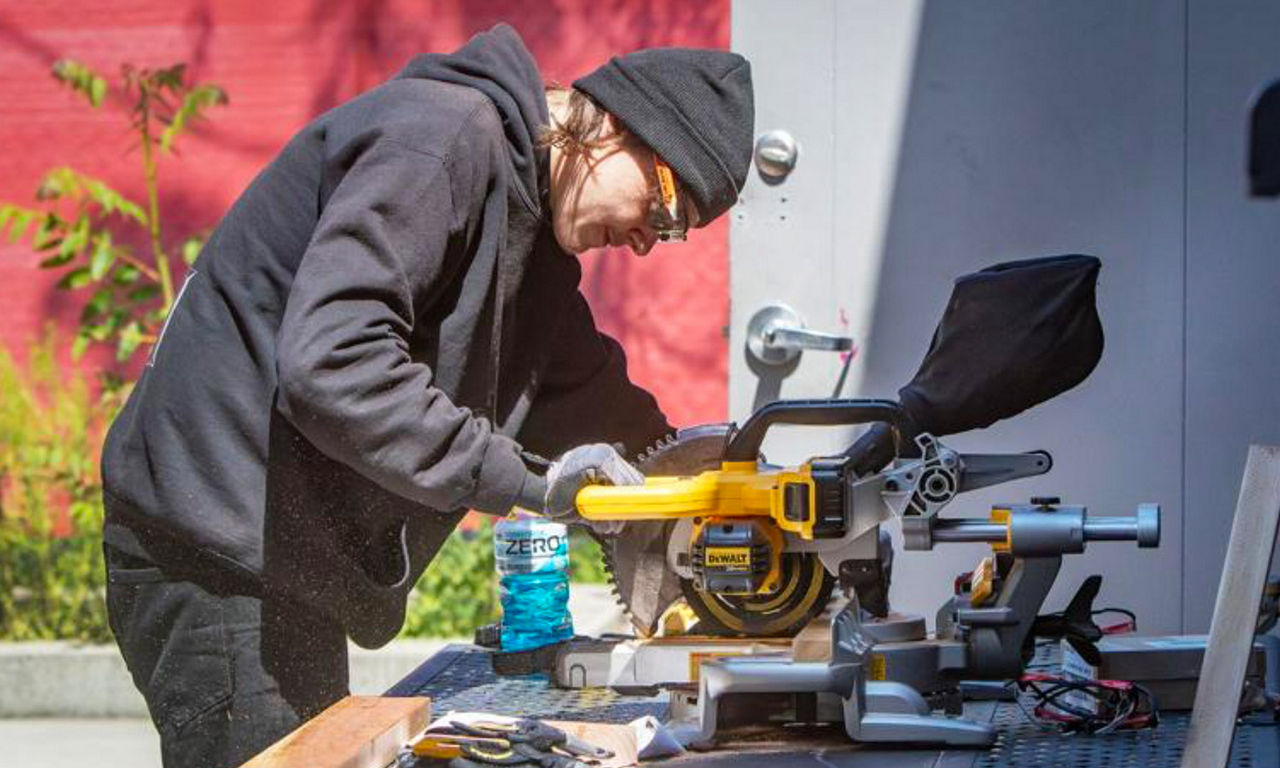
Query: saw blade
(636, 555)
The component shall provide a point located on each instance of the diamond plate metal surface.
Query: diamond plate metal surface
(460, 677)
(1024, 743)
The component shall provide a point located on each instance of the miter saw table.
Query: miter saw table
(460, 677)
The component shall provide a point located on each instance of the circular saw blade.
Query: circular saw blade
(636, 555)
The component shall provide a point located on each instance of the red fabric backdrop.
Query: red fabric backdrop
(286, 61)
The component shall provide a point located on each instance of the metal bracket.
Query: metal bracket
(920, 487)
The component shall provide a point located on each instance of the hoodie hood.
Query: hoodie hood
(498, 64)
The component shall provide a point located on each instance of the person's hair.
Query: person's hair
(584, 127)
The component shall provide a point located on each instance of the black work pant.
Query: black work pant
(225, 675)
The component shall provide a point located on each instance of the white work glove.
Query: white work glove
(595, 464)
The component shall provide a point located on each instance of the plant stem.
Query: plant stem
(138, 264)
(153, 196)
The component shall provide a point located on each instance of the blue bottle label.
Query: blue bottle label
(532, 558)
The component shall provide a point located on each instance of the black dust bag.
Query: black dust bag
(1013, 335)
(1264, 143)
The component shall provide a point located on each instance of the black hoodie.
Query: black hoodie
(370, 336)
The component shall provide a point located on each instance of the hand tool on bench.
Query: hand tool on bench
(510, 742)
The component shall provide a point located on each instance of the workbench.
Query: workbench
(459, 677)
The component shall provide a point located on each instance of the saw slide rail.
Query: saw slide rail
(1043, 529)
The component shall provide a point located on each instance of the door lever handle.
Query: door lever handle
(776, 336)
(783, 337)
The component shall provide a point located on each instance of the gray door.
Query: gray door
(938, 138)
(783, 237)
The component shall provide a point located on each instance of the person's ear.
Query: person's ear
(613, 127)
(616, 133)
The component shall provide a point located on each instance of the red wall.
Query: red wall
(286, 61)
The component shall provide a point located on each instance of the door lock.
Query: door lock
(776, 336)
(776, 153)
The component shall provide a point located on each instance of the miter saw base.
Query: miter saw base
(646, 665)
(637, 665)
(886, 712)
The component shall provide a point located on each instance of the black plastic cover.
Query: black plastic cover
(1264, 143)
(1013, 335)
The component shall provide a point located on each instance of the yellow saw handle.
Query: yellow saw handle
(737, 489)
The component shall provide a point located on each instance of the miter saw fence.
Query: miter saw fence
(756, 549)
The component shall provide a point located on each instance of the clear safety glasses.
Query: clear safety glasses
(668, 217)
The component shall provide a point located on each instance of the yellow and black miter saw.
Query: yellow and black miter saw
(756, 550)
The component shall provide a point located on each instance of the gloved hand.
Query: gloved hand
(595, 464)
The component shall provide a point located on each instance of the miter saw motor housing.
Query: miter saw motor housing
(735, 557)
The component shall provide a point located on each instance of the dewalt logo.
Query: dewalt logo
(729, 558)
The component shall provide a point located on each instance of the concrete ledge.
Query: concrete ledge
(68, 680)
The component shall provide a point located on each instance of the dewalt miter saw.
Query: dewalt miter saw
(757, 549)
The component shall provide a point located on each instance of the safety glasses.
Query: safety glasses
(668, 217)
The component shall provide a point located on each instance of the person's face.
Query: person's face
(606, 198)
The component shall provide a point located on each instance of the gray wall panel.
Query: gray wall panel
(1233, 283)
(1035, 129)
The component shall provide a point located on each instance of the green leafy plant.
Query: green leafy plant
(79, 220)
(458, 591)
(586, 561)
(51, 571)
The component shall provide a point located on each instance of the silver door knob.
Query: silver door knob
(776, 154)
(776, 335)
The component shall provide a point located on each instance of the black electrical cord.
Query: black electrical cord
(1125, 628)
(1118, 705)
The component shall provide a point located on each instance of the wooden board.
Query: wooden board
(813, 643)
(1235, 613)
(356, 732)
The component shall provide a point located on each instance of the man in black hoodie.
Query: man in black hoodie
(384, 331)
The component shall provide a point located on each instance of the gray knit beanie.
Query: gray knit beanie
(692, 106)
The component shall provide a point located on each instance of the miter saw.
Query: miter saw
(756, 549)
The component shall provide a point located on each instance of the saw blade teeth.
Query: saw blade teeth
(611, 570)
(701, 449)
(659, 445)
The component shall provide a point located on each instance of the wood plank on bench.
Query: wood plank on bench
(356, 732)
